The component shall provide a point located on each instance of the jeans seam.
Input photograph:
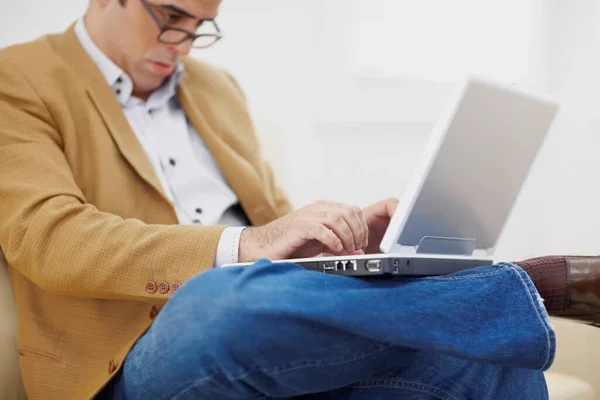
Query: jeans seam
(277, 370)
(501, 268)
(356, 356)
(537, 311)
(404, 384)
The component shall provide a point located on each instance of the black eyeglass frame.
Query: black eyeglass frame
(188, 35)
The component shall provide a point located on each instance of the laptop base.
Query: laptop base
(396, 265)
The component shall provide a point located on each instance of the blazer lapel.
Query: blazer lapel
(109, 108)
(119, 128)
(238, 172)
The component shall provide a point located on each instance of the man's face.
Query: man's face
(134, 40)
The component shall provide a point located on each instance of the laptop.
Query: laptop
(462, 193)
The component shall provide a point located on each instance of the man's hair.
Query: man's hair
(121, 2)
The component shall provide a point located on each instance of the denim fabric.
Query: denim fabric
(279, 331)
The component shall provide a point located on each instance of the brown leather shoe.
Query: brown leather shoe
(583, 291)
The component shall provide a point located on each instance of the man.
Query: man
(127, 174)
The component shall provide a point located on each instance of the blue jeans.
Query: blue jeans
(279, 331)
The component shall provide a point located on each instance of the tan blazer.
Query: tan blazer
(91, 239)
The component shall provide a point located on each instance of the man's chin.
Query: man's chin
(147, 87)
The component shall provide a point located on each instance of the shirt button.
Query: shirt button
(118, 91)
(196, 221)
(153, 312)
(163, 287)
(112, 366)
(175, 287)
(198, 210)
(151, 287)
(119, 80)
(172, 161)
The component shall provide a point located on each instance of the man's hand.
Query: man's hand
(320, 227)
(378, 218)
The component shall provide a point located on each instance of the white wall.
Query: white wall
(563, 196)
(333, 131)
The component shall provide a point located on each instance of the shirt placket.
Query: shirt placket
(179, 168)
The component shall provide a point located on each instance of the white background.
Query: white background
(344, 93)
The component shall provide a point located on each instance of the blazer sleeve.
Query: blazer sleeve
(66, 246)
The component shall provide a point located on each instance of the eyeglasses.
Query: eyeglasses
(208, 32)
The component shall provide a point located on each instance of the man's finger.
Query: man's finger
(363, 219)
(327, 237)
(352, 216)
(334, 221)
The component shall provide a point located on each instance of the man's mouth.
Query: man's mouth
(163, 68)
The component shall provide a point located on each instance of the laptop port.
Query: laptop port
(340, 266)
(329, 266)
(373, 266)
(351, 266)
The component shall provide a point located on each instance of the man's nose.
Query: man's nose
(182, 49)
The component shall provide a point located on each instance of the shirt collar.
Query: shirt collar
(118, 80)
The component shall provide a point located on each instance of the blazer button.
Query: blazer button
(163, 287)
(151, 287)
(112, 366)
(175, 287)
(153, 312)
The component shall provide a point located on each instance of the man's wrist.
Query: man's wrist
(249, 248)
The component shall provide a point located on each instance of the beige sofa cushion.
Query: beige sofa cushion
(566, 387)
(577, 356)
(11, 387)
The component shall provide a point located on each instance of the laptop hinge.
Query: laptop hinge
(446, 245)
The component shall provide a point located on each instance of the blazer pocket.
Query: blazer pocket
(54, 353)
(25, 351)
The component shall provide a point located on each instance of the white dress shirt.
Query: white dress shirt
(187, 171)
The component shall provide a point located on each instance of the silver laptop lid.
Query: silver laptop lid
(476, 161)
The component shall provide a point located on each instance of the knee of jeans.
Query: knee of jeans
(229, 304)
(212, 285)
(227, 294)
